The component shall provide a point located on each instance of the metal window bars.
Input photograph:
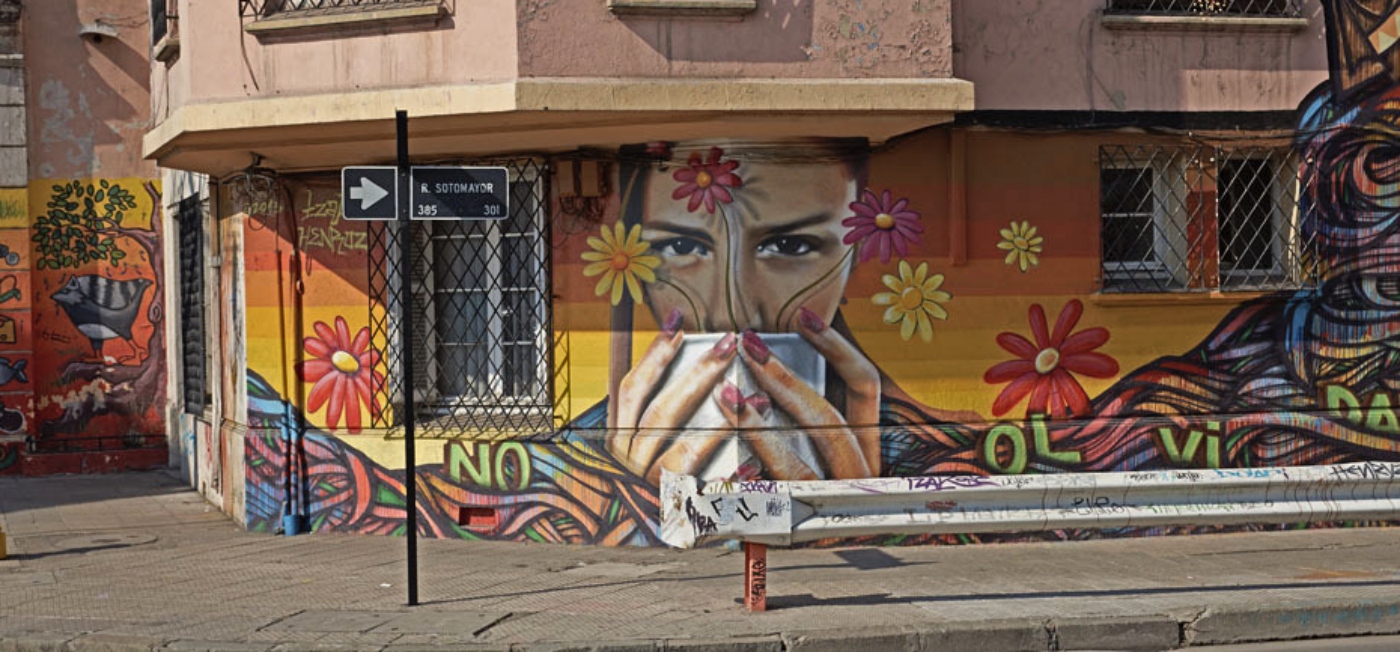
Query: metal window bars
(193, 338)
(256, 9)
(482, 345)
(1269, 8)
(1201, 218)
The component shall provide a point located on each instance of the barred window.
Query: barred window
(1271, 8)
(264, 8)
(189, 217)
(480, 300)
(1200, 219)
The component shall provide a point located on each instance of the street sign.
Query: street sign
(369, 192)
(465, 193)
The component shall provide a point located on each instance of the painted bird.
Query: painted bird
(102, 308)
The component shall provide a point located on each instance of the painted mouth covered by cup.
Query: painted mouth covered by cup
(794, 352)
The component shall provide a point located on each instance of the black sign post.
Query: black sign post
(410, 464)
(378, 192)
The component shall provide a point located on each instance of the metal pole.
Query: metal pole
(406, 355)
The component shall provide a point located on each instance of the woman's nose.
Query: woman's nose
(734, 311)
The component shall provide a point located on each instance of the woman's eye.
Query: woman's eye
(681, 247)
(787, 245)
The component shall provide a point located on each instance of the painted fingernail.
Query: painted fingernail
(755, 347)
(759, 403)
(732, 398)
(725, 346)
(810, 320)
(673, 322)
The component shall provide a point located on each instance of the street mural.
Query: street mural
(97, 278)
(787, 311)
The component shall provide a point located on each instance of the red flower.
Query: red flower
(1044, 368)
(707, 182)
(882, 224)
(343, 372)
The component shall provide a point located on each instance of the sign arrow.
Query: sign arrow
(368, 192)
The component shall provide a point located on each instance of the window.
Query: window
(264, 8)
(165, 37)
(1200, 219)
(481, 346)
(193, 263)
(1270, 8)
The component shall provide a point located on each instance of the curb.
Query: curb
(1259, 623)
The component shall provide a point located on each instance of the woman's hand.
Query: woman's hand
(646, 418)
(848, 444)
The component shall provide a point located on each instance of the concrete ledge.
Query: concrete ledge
(1284, 621)
(1203, 23)
(988, 635)
(532, 113)
(1135, 633)
(682, 8)
(855, 639)
(1157, 299)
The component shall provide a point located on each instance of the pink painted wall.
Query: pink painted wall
(88, 102)
(476, 43)
(783, 38)
(1026, 55)
(486, 40)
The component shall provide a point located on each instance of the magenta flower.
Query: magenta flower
(1044, 369)
(883, 225)
(707, 181)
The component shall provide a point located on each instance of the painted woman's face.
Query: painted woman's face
(757, 259)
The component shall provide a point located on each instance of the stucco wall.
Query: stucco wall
(783, 38)
(1031, 55)
(475, 43)
(88, 101)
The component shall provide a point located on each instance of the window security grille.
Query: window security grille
(1200, 218)
(1271, 8)
(481, 326)
(263, 8)
(193, 262)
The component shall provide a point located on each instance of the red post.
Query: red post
(755, 576)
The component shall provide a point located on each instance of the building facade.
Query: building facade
(765, 240)
(82, 344)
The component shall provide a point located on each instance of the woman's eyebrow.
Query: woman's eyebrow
(698, 234)
(796, 225)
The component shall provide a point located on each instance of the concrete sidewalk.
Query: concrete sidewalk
(140, 562)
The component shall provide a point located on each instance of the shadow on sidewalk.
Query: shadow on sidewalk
(21, 494)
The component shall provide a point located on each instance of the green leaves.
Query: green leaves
(75, 231)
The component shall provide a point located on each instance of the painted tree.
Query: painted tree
(86, 223)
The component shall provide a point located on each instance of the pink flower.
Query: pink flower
(883, 225)
(343, 372)
(1043, 369)
(707, 182)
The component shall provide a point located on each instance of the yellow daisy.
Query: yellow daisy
(1022, 245)
(914, 300)
(621, 257)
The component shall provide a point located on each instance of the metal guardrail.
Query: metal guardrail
(762, 513)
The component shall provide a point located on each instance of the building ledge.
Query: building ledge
(683, 8)
(330, 130)
(1162, 299)
(1203, 23)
